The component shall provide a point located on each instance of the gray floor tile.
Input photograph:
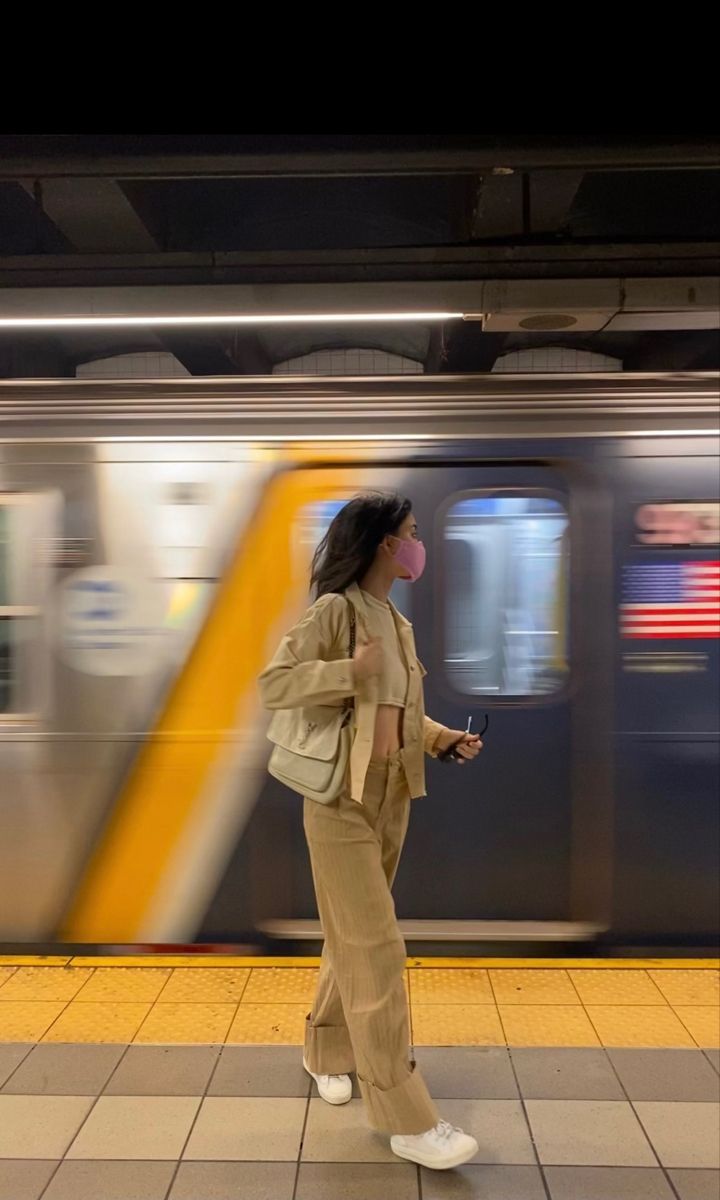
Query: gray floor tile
(143, 1127)
(237, 1128)
(40, 1126)
(341, 1134)
(65, 1070)
(234, 1181)
(696, 1185)
(111, 1181)
(666, 1074)
(714, 1057)
(260, 1071)
(602, 1133)
(11, 1055)
(565, 1073)
(484, 1183)
(607, 1183)
(684, 1135)
(24, 1178)
(467, 1072)
(164, 1071)
(499, 1126)
(361, 1181)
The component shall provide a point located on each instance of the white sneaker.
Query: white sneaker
(439, 1149)
(336, 1089)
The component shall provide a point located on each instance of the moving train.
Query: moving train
(154, 544)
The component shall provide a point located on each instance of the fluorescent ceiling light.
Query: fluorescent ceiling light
(125, 322)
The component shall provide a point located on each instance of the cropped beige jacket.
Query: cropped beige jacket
(311, 667)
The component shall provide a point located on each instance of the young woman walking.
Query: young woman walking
(359, 1020)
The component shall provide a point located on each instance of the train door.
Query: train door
(507, 847)
(492, 841)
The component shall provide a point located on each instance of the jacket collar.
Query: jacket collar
(354, 593)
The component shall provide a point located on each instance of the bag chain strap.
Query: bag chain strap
(350, 703)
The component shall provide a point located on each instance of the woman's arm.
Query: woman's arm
(466, 745)
(434, 736)
(299, 673)
(439, 738)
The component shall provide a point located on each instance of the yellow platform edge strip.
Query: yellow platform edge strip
(232, 960)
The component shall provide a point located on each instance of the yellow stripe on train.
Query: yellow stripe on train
(213, 695)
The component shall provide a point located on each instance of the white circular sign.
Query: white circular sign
(110, 622)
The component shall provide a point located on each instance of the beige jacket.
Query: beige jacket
(311, 667)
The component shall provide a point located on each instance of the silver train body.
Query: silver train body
(154, 542)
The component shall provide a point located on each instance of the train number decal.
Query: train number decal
(691, 523)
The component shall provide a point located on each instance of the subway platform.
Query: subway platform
(180, 1078)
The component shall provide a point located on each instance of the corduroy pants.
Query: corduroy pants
(359, 1020)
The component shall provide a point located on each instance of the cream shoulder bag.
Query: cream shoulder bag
(311, 748)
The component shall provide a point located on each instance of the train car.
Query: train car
(154, 544)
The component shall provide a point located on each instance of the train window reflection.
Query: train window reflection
(314, 522)
(506, 583)
(4, 559)
(311, 527)
(5, 660)
(19, 623)
(5, 665)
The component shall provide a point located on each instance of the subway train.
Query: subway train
(155, 539)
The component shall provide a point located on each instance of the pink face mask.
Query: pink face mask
(411, 555)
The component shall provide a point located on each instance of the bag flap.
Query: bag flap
(311, 732)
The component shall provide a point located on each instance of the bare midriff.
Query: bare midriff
(388, 731)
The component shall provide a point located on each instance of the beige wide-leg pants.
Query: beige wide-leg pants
(360, 1019)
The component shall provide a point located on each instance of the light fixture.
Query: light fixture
(168, 320)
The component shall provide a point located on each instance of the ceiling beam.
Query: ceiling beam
(468, 349)
(33, 357)
(248, 353)
(94, 215)
(500, 207)
(452, 154)
(550, 198)
(436, 352)
(548, 260)
(522, 204)
(200, 354)
(692, 350)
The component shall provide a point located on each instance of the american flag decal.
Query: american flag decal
(671, 600)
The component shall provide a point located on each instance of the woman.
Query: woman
(359, 1020)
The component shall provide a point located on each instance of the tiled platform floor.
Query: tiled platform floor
(560, 1071)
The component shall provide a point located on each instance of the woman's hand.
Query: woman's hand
(369, 659)
(467, 748)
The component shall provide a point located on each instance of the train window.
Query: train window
(4, 569)
(506, 582)
(21, 674)
(5, 668)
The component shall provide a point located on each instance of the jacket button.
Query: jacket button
(412, 668)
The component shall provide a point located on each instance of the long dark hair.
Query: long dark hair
(346, 552)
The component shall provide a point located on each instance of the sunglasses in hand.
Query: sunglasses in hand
(450, 754)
